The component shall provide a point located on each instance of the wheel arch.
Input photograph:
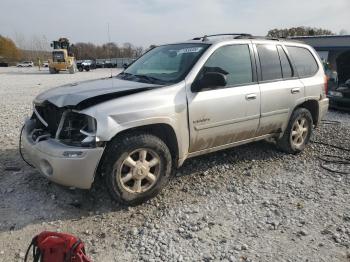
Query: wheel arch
(313, 106)
(163, 131)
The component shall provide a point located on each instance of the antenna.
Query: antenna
(108, 51)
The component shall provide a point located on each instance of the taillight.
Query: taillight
(325, 88)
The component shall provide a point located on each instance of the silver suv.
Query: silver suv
(175, 102)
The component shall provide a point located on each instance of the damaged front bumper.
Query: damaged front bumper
(60, 163)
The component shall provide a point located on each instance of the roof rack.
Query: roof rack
(205, 37)
(259, 37)
(237, 36)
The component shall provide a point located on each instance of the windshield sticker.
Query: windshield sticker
(189, 50)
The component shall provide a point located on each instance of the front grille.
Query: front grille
(51, 114)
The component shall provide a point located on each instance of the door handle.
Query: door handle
(295, 90)
(250, 97)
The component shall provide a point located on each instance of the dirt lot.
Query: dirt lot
(251, 203)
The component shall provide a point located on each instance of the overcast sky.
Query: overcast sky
(145, 22)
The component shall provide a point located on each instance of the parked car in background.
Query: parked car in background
(25, 64)
(45, 64)
(4, 64)
(100, 63)
(339, 98)
(109, 64)
(86, 65)
(175, 102)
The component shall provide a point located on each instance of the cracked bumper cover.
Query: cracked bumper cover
(62, 164)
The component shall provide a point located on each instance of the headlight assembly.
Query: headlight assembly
(77, 129)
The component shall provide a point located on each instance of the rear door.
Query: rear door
(307, 68)
(224, 115)
(281, 90)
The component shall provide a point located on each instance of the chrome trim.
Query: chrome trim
(41, 137)
(60, 126)
(87, 133)
(40, 118)
(277, 112)
(226, 122)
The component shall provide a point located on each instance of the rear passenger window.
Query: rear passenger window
(287, 70)
(304, 61)
(232, 61)
(270, 62)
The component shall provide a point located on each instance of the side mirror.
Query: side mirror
(209, 79)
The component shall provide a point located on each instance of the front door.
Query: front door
(223, 115)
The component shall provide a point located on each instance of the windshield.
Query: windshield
(164, 64)
(58, 56)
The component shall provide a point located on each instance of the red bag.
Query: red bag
(57, 247)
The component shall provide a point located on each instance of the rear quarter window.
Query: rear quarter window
(305, 63)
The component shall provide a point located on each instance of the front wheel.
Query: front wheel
(137, 167)
(52, 70)
(298, 132)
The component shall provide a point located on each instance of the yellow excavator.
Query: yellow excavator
(62, 57)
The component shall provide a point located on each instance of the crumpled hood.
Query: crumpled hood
(102, 89)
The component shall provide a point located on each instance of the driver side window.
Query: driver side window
(234, 62)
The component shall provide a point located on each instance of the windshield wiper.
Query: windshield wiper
(150, 79)
(124, 75)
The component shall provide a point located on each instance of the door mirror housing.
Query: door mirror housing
(209, 80)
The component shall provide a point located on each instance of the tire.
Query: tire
(87, 69)
(80, 69)
(298, 132)
(52, 70)
(127, 168)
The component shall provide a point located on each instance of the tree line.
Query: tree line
(105, 51)
(8, 50)
(298, 31)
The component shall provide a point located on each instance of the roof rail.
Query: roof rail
(205, 37)
(258, 37)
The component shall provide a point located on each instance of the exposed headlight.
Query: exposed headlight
(335, 93)
(77, 129)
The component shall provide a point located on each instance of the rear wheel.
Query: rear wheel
(298, 132)
(137, 167)
(52, 70)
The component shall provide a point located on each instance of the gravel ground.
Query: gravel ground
(251, 203)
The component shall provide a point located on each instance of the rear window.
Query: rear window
(269, 62)
(304, 61)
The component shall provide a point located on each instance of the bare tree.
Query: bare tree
(343, 32)
(299, 31)
(106, 51)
